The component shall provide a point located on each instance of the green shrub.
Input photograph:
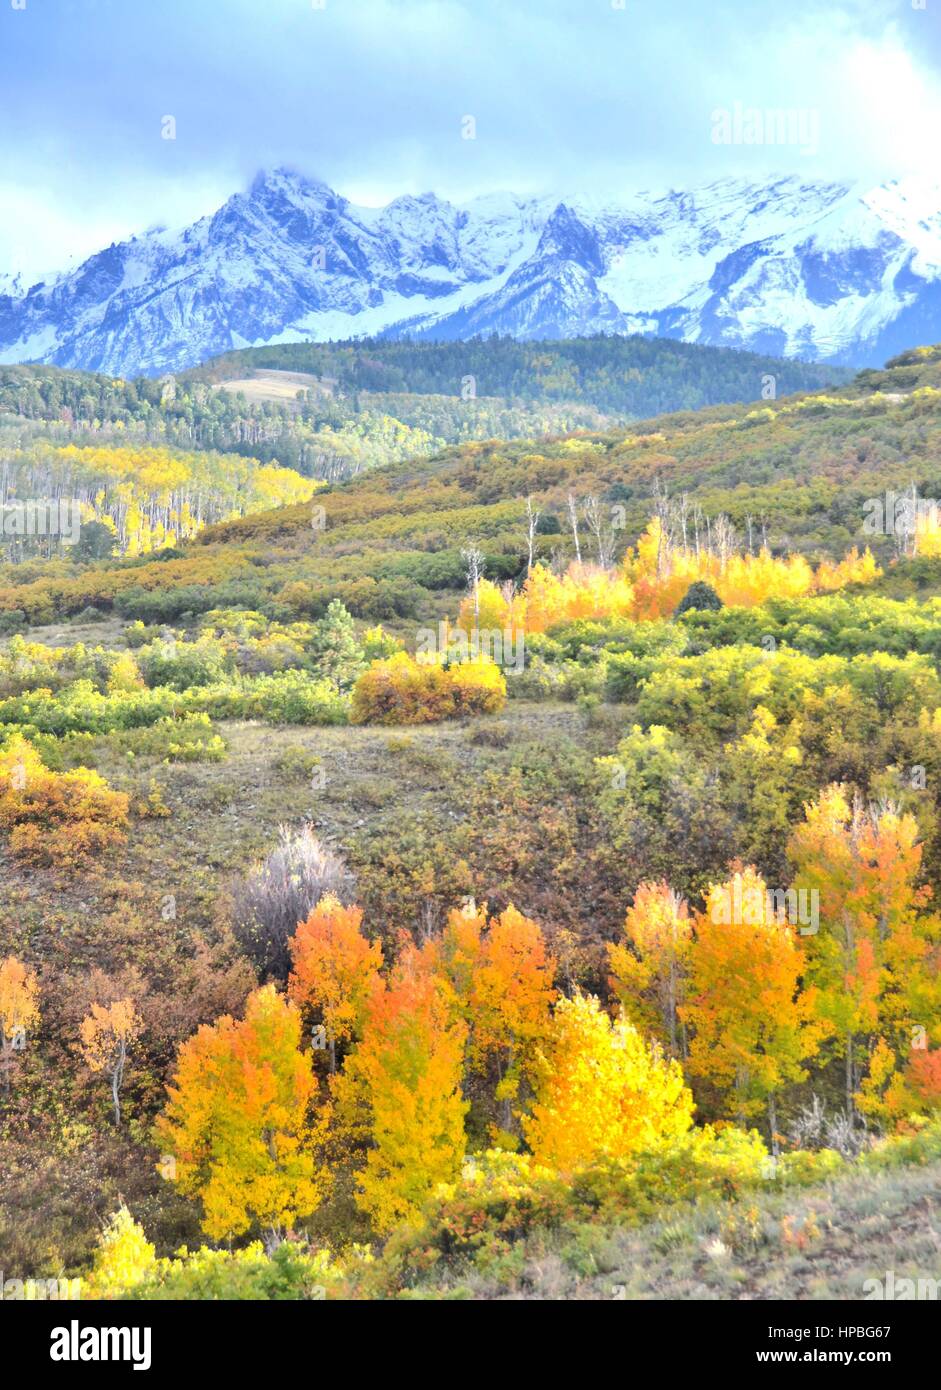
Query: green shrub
(136, 634)
(292, 1272)
(12, 620)
(182, 665)
(296, 762)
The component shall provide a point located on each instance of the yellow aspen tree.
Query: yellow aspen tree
(510, 1001)
(648, 969)
(601, 1090)
(872, 959)
(405, 1076)
(753, 1025)
(123, 1259)
(107, 1033)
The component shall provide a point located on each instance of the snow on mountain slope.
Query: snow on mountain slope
(821, 270)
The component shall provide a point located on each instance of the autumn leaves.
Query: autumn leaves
(106, 1034)
(469, 1020)
(19, 1012)
(56, 818)
(750, 1000)
(237, 1130)
(151, 497)
(649, 585)
(651, 582)
(387, 1071)
(601, 1091)
(400, 690)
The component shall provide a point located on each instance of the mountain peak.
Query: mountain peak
(283, 186)
(284, 176)
(567, 238)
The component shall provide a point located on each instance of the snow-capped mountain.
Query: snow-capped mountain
(827, 271)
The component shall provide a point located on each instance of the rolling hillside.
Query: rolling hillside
(800, 468)
(335, 411)
(631, 376)
(220, 752)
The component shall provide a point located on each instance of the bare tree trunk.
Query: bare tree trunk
(117, 1075)
(604, 536)
(532, 519)
(573, 518)
(673, 1006)
(684, 513)
(473, 559)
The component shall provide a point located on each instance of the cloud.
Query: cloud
(568, 95)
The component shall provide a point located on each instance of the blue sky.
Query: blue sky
(597, 96)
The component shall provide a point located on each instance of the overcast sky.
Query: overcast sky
(599, 96)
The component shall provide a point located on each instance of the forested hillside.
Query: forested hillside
(485, 874)
(357, 406)
(794, 473)
(631, 375)
(315, 429)
(80, 502)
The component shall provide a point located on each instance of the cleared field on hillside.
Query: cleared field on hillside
(279, 387)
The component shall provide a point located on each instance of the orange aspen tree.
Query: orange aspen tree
(924, 1077)
(238, 1130)
(753, 1026)
(336, 971)
(503, 975)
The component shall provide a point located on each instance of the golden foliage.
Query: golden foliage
(601, 1090)
(405, 1076)
(401, 690)
(238, 1128)
(53, 818)
(336, 970)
